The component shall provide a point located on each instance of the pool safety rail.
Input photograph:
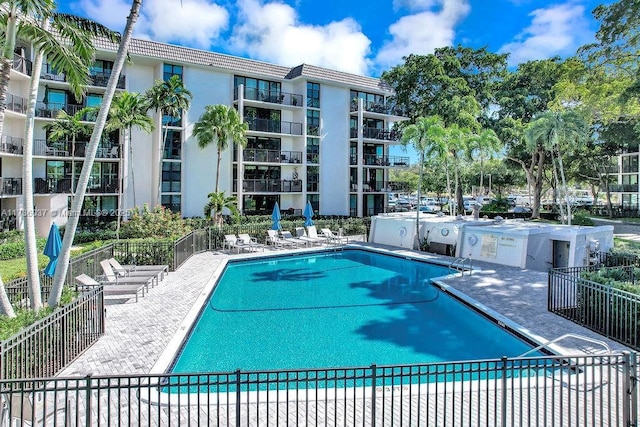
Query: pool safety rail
(545, 391)
(458, 265)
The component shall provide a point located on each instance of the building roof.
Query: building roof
(180, 54)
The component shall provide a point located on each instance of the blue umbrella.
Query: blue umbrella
(276, 217)
(52, 249)
(308, 214)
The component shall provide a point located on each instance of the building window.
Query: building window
(173, 145)
(173, 202)
(313, 95)
(313, 122)
(630, 164)
(313, 178)
(313, 150)
(170, 70)
(101, 67)
(259, 90)
(171, 180)
(315, 202)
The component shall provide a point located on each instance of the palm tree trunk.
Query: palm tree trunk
(6, 62)
(218, 170)
(31, 248)
(418, 207)
(121, 182)
(6, 308)
(92, 148)
(564, 187)
(555, 177)
(133, 179)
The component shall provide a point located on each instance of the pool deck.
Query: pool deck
(138, 333)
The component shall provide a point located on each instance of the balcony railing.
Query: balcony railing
(270, 186)
(270, 96)
(10, 186)
(42, 147)
(271, 156)
(379, 107)
(11, 144)
(377, 160)
(63, 185)
(372, 187)
(21, 64)
(16, 103)
(375, 133)
(50, 110)
(274, 126)
(96, 79)
(623, 188)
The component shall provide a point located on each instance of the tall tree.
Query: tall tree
(90, 156)
(427, 138)
(171, 99)
(457, 144)
(220, 125)
(73, 36)
(216, 205)
(128, 110)
(484, 145)
(559, 133)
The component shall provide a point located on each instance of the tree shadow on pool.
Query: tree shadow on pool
(418, 318)
(289, 274)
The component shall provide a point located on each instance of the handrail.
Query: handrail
(460, 266)
(561, 337)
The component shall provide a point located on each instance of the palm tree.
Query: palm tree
(68, 127)
(558, 132)
(171, 99)
(457, 143)
(484, 144)
(128, 110)
(218, 202)
(70, 50)
(427, 137)
(220, 125)
(90, 156)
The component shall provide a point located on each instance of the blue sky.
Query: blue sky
(359, 36)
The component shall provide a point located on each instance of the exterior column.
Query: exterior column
(240, 165)
(360, 158)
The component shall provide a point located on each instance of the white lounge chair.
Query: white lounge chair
(161, 269)
(302, 234)
(334, 237)
(250, 242)
(286, 235)
(312, 232)
(274, 239)
(88, 282)
(231, 242)
(111, 277)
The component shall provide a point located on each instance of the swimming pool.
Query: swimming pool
(332, 309)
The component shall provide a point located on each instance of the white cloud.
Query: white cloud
(556, 30)
(414, 4)
(195, 23)
(422, 32)
(271, 32)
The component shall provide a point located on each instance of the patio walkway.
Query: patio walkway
(137, 333)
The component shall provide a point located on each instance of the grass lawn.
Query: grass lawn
(623, 245)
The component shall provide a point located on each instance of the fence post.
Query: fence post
(630, 398)
(373, 394)
(238, 397)
(503, 403)
(87, 414)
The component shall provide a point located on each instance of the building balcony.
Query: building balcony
(270, 96)
(49, 110)
(377, 134)
(21, 64)
(379, 108)
(271, 156)
(16, 103)
(10, 186)
(274, 126)
(63, 186)
(372, 187)
(43, 147)
(376, 160)
(270, 186)
(11, 144)
(624, 188)
(96, 79)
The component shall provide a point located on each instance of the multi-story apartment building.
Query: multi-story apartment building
(314, 134)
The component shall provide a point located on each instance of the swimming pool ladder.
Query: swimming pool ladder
(561, 337)
(458, 265)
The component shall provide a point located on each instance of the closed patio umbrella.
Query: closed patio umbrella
(276, 217)
(52, 249)
(308, 215)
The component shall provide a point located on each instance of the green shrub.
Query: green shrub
(159, 222)
(17, 249)
(581, 217)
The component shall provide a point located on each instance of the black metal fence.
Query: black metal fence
(192, 243)
(602, 308)
(551, 391)
(50, 344)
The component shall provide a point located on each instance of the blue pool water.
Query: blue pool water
(349, 308)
